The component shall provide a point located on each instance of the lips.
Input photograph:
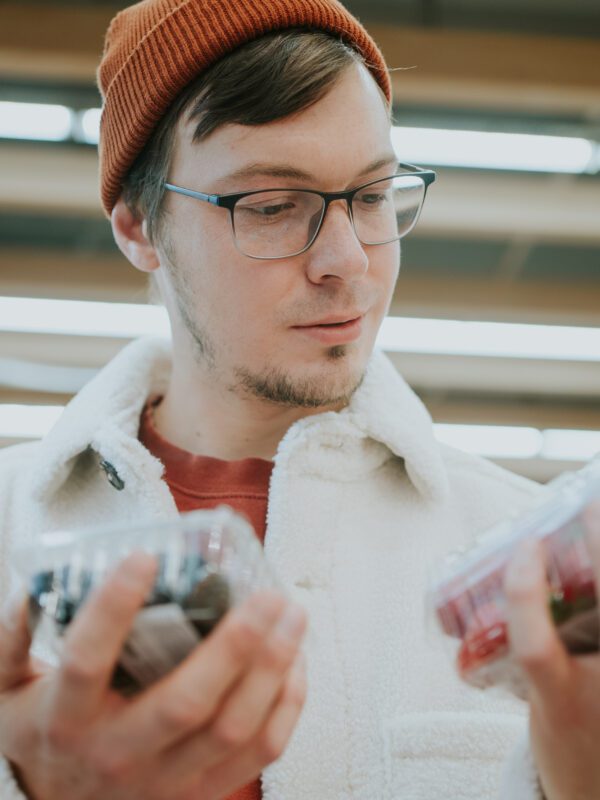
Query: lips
(331, 321)
(342, 331)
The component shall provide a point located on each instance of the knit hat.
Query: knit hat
(153, 49)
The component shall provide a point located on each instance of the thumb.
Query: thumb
(15, 640)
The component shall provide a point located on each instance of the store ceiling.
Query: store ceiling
(504, 246)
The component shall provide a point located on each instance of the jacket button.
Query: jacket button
(113, 476)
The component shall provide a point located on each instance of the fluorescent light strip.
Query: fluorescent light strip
(496, 441)
(486, 150)
(515, 442)
(397, 334)
(435, 146)
(489, 339)
(82, 318)
(36, 121)
(89, 122)
(27, 422)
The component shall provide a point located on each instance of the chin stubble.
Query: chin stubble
(276, 386)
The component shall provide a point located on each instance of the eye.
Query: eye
(372, 199)
(271, 210)
(266, 207)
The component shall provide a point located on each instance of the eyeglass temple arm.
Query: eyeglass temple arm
(208, 198)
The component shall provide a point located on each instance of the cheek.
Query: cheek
(385, 266)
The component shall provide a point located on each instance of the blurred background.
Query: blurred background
(496, 316)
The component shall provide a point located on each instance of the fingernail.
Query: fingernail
(291, 624)
(138, 570)
(263, 608)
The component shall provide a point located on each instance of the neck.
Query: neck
(202, 416)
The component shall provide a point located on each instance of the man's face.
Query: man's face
(247, 319)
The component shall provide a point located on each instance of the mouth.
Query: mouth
(333, 322)
(330, 332)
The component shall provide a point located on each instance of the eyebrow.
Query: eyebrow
(288, 171)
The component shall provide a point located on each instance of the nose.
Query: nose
(336, 252)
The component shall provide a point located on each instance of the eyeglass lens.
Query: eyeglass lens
(278, 224)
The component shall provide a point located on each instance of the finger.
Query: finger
(196, 769)
(96, 636)
(188, 698)
(533, 637)
(248, 705)
(15, 640)
(268, 745)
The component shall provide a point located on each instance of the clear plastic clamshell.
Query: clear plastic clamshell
(467, 595)
(208, 562)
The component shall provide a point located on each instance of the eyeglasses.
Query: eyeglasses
(280, 223)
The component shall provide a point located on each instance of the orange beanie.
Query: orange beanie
(153, 49)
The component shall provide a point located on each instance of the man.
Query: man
(246, 165)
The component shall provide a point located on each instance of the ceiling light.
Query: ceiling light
(487, 150)
(27, 422)
(570, 445)
(516, 442)
(489, 339)
(500, 441)
(89, 123)
(50, 123)
(82, 318)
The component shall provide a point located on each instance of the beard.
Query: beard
(276, 386)
(272, 384)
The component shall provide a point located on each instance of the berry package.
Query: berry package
(208, 562)
(467, 597)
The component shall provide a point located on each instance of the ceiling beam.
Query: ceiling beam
(477, 69)
(41, 177)
(66, 275)
(472, 298)
(452, 67)
(52, 42)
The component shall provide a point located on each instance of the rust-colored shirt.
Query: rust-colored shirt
(204, 482)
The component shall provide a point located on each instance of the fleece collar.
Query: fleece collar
(384, 419)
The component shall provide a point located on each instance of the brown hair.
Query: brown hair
(264, 80)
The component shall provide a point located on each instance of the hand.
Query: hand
(563, 690)
(201, 732)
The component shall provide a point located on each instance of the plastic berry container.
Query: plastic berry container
(208, 562)
(467, 597)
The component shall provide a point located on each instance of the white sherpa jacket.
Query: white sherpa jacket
(362, 503)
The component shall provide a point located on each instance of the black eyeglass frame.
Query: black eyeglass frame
(229, 201)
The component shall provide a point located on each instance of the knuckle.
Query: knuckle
(59, 736)
(278, 655)
(229, 733)
(242, 637)
(183, 713)
(112, 767)
(76, 668)
(535, 659)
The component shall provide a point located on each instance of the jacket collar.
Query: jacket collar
(104, 416)
(383, 417)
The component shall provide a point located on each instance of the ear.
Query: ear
(131, 237)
